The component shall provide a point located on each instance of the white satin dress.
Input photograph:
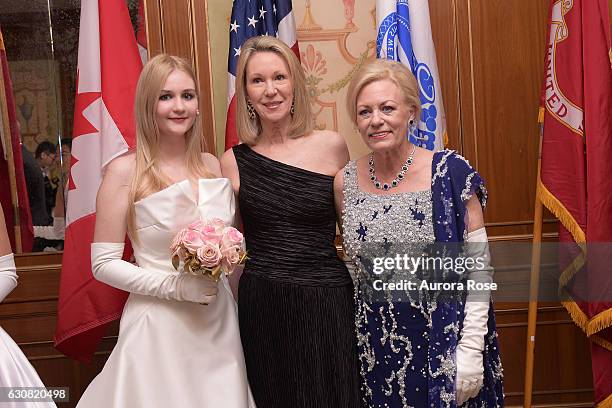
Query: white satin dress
(171, 353)
(15, 369)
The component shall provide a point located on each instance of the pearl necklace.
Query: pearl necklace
(400, 176)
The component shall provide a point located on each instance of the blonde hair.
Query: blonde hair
(148, 177)
(301, 122)
(378, 70)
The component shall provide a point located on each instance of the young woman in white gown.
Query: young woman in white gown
(179, 342)
(15, 369)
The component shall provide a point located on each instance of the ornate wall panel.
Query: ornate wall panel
(335, 37)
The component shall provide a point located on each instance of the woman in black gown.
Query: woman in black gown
(295, 294)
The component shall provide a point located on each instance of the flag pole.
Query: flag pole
(532, 314)
(6, 133)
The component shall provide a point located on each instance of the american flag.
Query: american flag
(251, 18)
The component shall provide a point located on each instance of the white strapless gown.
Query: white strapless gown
(170, 353)
(16, 371)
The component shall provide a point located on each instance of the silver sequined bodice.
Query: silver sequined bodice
(370, 218)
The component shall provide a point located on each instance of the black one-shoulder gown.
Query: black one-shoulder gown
(295, 301)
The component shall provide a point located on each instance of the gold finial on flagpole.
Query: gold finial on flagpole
(308, 23)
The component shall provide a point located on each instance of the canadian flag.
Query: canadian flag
(109, 64)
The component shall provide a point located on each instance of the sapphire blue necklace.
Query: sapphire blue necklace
(400, 176)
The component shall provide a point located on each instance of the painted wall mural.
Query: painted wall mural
(335, 39)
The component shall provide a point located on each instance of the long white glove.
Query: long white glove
(470, 368)
(108, 267)
(8, 275)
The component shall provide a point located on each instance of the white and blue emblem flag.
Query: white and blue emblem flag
(404, 35)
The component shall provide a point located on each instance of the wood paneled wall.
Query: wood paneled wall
(490, 57)
(28, 315)
(180, 27)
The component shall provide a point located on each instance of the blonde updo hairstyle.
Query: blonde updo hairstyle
(378, 70)
(148, 177)
(301, 122)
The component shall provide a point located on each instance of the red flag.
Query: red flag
(12, 142)
(576, 166)
(251, 18)
(108, 68)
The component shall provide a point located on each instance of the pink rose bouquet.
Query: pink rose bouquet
(208, 248)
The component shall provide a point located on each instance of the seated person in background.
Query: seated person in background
(35, 184)
(45, 157)
(45, 237)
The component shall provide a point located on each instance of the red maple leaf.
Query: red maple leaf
(82, 126)
(82, 100)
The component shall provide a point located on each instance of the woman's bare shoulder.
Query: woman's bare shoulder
(212, 163)
(228, 158)
(330, 145)
(329, 139)
(122, 167)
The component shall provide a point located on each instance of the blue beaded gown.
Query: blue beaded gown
(406, 341)
(295, 298)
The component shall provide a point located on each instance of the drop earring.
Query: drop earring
(411, 125)
(251, 110)
(292, 109)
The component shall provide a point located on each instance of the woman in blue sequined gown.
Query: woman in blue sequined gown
(414, 350)
(295, 297)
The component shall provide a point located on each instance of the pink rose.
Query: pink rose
(209, 255)
(232, 254)
(192, 241)
(210, 234)
(196, 225)
(231, 237)
(177, 240)
(218, 223)
(227, 267)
